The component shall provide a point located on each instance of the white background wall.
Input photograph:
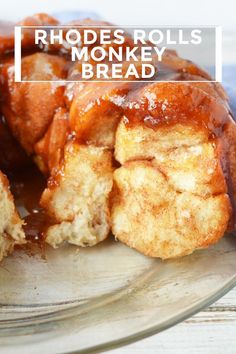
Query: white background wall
(153, 12)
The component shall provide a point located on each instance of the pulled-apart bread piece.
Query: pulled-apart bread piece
(77, 196)
(170, 196)
(191, 165)
(11, 232)
(149, 215)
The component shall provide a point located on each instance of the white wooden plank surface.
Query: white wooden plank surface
(211, 331)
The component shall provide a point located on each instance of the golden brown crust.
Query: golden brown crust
(50, 149)
(29, 107)
(7, 31)
(96, 111)
(168, 103)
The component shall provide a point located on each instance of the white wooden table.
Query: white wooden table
(211, 331)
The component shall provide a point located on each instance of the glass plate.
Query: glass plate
(89, 300)
(65, 300)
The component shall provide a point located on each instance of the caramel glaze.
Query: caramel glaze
(27, 186)
(169, 103)
(12, 155)
(150, 104)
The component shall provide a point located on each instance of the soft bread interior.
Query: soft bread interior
(79, 200)
(170, 195)
(11, 232)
